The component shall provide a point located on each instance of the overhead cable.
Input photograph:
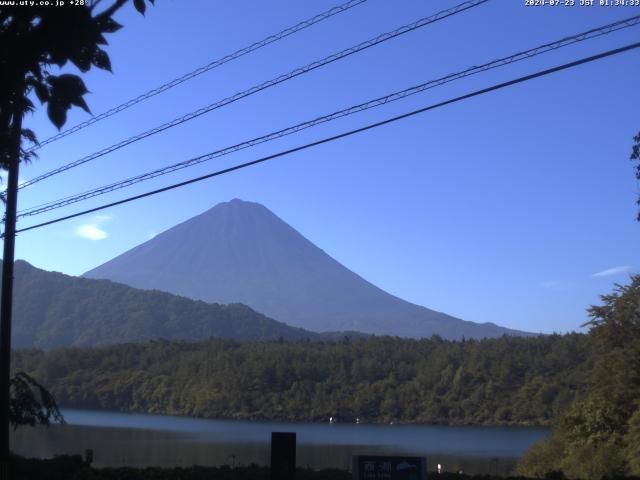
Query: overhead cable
(258, 88)
(349, 133)
(392, 97)
(205, 68)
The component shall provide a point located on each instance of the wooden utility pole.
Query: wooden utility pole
(6, 297)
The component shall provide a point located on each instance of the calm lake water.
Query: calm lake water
(145, 440)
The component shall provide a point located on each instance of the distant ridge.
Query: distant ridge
(52, 310)
(240, 251)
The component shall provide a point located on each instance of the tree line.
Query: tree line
(504, 381)
(598, 435)
(53, 310)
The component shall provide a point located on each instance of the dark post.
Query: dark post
(7, 287)
(283, 456)
(88, 456)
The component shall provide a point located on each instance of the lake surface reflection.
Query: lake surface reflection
(144, 440)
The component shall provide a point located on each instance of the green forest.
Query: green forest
(505, 381)
(599, 434)
(52, 309)
(586, 387)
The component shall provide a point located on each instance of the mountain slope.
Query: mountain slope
(53, 310)
(241, 252)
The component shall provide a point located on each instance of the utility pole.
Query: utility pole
(6, 296)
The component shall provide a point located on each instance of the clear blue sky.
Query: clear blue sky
(501, 208)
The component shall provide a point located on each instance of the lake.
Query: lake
(158, 440)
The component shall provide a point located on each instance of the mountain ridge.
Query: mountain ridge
(53, 310)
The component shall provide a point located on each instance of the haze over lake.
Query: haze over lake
(156, 440)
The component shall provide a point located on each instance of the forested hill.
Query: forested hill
(501, 381)
(53, 310)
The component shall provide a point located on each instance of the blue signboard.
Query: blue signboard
(369, 467)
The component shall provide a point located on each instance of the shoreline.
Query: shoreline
(284, 420)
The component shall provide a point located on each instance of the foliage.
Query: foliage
(635, 156)
(505, 381)
(62, 467)
(599, 435)
(73, 468)
(30, 403)
(53, 310)
(36, 38)
(633, 443)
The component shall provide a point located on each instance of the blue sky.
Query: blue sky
(516, 207)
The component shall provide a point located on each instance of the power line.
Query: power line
(392, 97)
(270, 83)
(345, 134)
(205, 68)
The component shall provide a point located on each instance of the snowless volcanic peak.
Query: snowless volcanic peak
(240, 251)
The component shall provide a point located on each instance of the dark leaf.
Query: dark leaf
(57, 57)
(100, 40)
(67, 85)
(140, 6)
(27, 105)
(57, 113)
(82, 59)
(66, 90)
(26, 157)
(79, 102)
(108, 25)
(42, 91)
(30, 135)
(101, 60)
